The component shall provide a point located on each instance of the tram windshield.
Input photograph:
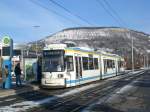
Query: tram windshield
(53, 61)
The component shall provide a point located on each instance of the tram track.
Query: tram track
(101, 92)
(71, 103)
(105, 92)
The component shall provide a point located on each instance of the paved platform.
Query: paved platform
(18, 90)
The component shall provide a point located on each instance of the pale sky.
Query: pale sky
(17, 17)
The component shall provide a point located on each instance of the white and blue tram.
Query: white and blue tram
(64, 66)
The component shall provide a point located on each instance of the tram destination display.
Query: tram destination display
(49, 53)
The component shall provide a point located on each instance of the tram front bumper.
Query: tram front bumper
(53, 83)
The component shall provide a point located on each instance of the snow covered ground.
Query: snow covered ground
(24, 105)
(126, 99)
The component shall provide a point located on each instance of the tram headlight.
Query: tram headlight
(60, 75)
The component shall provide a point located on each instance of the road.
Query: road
(124, 93)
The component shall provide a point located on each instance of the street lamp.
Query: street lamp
(36, 27)
(132, 50)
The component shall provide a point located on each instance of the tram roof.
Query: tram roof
(93, 51)
(80, 49)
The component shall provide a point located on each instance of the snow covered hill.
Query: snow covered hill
(113, 39)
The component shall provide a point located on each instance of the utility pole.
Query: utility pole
(148, 51)
(148, 60)
(132, 54)
(144, 61)
(36, 27)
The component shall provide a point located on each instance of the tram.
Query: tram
(64, 66)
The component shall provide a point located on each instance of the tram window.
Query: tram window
(105, 66)
(53, 64)
(121, 64)
(110, 64)
(95, 63)
(69, 62)
(91, 64)
(113, 64)
(85, 63)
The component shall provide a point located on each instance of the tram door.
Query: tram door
(105, 66)
(119, 66)
(78, 69)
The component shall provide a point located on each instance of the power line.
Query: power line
(67, 10)
(56, 13)
(115, 13)
(103, 6)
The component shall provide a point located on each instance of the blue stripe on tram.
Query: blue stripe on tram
(87, 78)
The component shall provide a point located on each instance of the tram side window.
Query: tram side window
(95, 63)
(110, 64)
(105, 66)
(91, 64)
(121, 64)
(69, 62)
(113, 64)
(85, 63)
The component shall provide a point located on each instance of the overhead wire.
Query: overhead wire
(67, 10)
(117, 18)
(55, 12)
(115, 13)
(109, 13)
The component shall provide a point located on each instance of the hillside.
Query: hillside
(112, 39)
